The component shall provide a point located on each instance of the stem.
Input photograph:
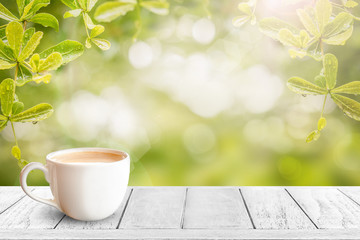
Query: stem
(13, 129)
(24, 27)
(12, 124)
(321, 47)
(323, 108)
(138, 23)
(87, 31)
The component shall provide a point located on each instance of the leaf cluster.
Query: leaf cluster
(111, 10)
(321, 24)
(324, 84)
(82, 8)
(17, 51)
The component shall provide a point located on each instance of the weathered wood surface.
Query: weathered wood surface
(194, 213)
(9, 196)
(214, 208)
(154, 208)
(29, 214)
(273, 208)
(328, 208)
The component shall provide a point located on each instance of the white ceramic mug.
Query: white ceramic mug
(83, 191)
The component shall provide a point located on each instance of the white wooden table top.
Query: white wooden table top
(194, 213)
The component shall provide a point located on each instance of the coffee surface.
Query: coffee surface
(89, 157)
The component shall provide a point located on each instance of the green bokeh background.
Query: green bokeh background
(191, 112)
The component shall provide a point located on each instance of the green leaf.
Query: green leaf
(349, 88)
(6, 65)
(34, 114)
(21, 4)
(70, 3)
(339, 39)
(3, 31)
(33, 7)
(320, 81)
(69, 50)
(307, 19)
(3, 124)
(88, 22)
(17, 107)
(30, 46)
(6, 53)
(14, 35)
(103, 44)
(240, 20)
(297, 53)
(321, 123)
(46, 19)
(330, 66)
(323, 10)
(42, 78)
(108, 11)
(52, 62)
(6, 14)
(96, 31)
(7, 92)
(313, 136)
(341, 23)
(350, 4)
(16, 152)
(349, 106)
(82, 4)
(301, 86)
(22, 163)
(88, 43)
(287, 38)
(90, 4)
(272, 26)
(72, 13)
(35, 62)
(314, 51)
(157, 7)
(304, 38)
(245, 8)
(27, 35)
(24, 76)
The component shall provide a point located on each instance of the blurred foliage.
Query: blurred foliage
(195, 101)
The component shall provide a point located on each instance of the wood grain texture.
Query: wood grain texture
(108, 223)
(182, 234)
(8, 196)
(273, 208)
(217, 207)
(29, 214)
(351, 192)
(328, 207)
(154, 207)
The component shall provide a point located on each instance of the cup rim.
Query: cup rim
(87, 149)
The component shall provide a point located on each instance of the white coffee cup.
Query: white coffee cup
(84, 191)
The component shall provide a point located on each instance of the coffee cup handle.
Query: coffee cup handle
(23, 176)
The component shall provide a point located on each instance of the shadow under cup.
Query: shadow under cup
(87, 183)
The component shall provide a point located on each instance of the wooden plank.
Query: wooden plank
(108, 223)
(273, 208)
(328, 207)
(154, 207)
(28, 213)
(216, 207)
(9, 196)
(351, 192)
(182, 234)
